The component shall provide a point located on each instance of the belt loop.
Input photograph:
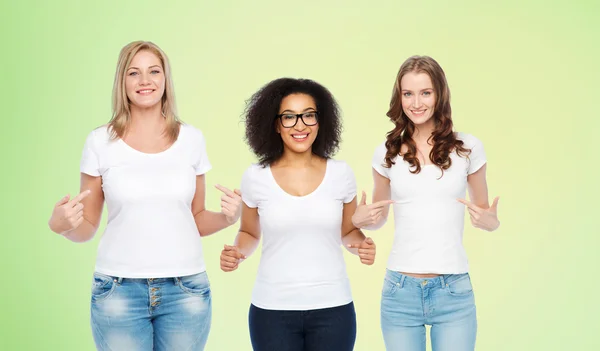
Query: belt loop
(402, 280)
(443, 281)
(176, 280)
(119, 280)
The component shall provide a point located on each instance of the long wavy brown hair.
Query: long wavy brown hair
(443, 137)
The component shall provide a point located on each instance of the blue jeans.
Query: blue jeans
(445, 302)
(151, 314)
(323, 329)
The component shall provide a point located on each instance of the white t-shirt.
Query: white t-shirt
(429, 221)
(302, 265)
(151, 232)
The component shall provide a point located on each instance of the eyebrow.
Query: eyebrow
(132, 67)
(305, 110)
(410, 91)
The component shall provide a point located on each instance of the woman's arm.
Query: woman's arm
(374, 216)
(245, 242)
(78, 219)
(353, 238)
(209, 222)
(482, 215)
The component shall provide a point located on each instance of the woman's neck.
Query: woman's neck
(423, 132)
(147, 120)
(297, 160)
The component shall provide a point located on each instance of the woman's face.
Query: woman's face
(145, 80)
(298, 132)
(418, 97)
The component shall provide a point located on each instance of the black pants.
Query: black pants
(327, 329)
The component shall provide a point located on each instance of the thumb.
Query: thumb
(495, 203)
(228, 248)
(363, 198)
(63, 201)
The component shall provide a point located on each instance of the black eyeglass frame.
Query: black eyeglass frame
(299, 116)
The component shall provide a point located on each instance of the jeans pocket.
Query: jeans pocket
(389, 288)
(197, 284)
(460, 287)
(102, 287)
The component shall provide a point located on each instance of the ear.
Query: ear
(277, 126)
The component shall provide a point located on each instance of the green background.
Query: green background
(523, 76)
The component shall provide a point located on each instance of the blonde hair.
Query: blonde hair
(121, 113)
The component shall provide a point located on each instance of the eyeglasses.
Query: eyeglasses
(289, 120)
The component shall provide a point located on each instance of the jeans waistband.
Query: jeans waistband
(436, 282)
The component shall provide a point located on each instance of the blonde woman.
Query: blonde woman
(150, 289)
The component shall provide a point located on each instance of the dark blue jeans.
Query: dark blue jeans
(324, 329)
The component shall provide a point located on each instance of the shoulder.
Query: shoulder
(381, 150)
(338, 164)
(253, 179)
(340, 168)
(255, 171)
(99, 136)
(189, 131)
(469, 140)
(379, 154)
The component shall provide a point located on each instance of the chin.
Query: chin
(300, 150)
(420, 120)
(145, 104)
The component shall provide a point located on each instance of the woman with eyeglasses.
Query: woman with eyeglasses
(426, 168)
(301, 202)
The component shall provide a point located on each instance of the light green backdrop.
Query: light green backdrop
(523, 76)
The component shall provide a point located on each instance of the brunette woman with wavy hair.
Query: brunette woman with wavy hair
(425, 167)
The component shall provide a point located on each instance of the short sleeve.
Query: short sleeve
(201, 164)
(477, 156)
(90, 163)
(247, 188)
(349, 184)
(378, 160)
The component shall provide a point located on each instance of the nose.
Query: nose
(300, 125)
(417, 102)
(144, 79)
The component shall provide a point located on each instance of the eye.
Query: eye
(407, 94)
(132, 73)
(288, 116)
(155, 71)
(427, 93)
(309, 115)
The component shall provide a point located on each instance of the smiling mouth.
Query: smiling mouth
(300, 137)
(418, 112)
(145, 91)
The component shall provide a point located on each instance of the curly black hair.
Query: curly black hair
(262, 109)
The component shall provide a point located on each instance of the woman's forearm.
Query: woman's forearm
(209, 222)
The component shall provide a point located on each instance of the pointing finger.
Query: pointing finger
(495, 203)
(468, 204)
(63, 201)
(382, 203)
(79, 197)
(225, 190)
